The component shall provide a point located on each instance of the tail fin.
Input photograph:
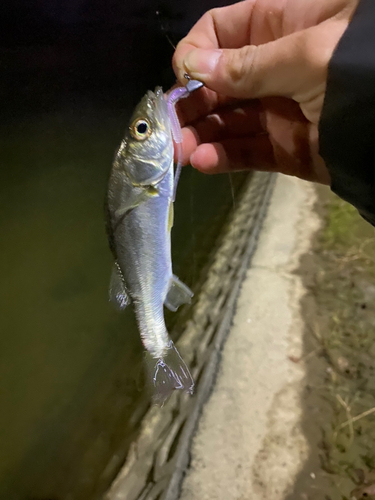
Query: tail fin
(168, 374)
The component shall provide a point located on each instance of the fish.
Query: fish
(139, 219)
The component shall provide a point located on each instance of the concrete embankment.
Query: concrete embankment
(249, 443)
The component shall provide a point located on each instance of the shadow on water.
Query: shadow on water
(70, 366)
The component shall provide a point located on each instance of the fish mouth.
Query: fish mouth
(157, 102)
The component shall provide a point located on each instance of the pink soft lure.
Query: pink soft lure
(173, 98)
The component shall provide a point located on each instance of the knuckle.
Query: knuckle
(240, 67)
(212, 12)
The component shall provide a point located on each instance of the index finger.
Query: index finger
(226, 27)
(200, 104)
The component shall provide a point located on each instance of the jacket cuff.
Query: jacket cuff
(347, 124)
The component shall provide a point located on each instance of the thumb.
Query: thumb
(293, 66)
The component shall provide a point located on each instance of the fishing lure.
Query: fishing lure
(173, 98)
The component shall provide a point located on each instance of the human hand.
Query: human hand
(264, 64)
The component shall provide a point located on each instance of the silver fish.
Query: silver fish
(139, 222)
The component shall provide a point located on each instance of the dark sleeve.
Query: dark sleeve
(347, 124)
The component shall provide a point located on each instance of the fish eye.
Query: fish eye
(140, 129)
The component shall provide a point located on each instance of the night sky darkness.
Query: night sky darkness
(54, 52)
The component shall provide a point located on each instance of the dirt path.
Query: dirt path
(339, 355)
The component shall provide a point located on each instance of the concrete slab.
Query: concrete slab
(249, 444)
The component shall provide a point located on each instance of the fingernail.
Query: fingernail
(192, 160)
(201, 62)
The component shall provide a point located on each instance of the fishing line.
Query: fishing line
(232, 189)
(192, 227)
(164, 30)
(192, 201)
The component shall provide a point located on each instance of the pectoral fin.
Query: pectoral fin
(137, 197)
(177, 295)
(117, 292)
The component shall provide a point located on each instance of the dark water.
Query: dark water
(71, 383)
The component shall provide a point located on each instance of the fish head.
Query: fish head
(146, 154)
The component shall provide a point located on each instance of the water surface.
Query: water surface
(71, 379)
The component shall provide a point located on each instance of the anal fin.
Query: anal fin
(178, 294)
(117, 292)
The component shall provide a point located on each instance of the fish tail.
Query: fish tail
(169, 373)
